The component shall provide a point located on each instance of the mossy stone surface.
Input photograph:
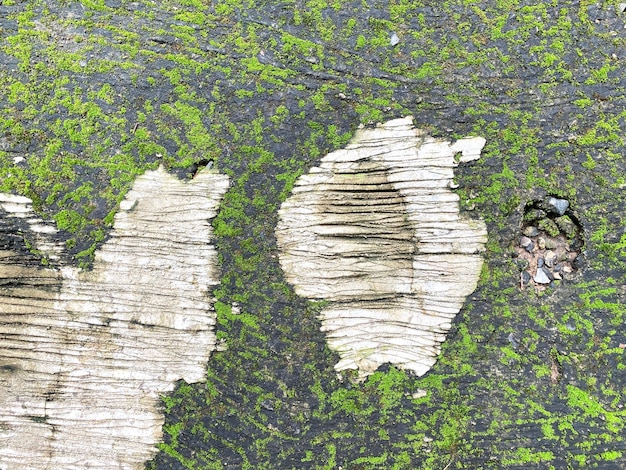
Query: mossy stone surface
(94, 92)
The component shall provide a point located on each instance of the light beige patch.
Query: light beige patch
(376, 230)
(85, 356)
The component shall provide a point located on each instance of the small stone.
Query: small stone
(542, 276)
(267, 405)
(549, 258)
(551, 243)
(530, 231)
(541, 243)
(419, 394)
(524, 242)
(525, 278)
(513, 340)
(394, 40)
(566, 269)
(540, 262)
(557, 276)
(558, 206)
(621, 7)
(530, 247)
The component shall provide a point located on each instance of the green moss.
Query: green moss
(264, 101)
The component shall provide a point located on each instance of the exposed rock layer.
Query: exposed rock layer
(84, 356)
(376, 230)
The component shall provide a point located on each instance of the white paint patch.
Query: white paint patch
(376, 231)
(85, 356)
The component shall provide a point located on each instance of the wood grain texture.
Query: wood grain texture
(376, 230)
(85, 356)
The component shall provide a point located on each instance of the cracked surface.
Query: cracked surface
(376, 230)
(85, 356)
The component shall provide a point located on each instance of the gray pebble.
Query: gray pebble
(549, 258)
(541, 243)
(524, 242)
(558, 205)
(548, 273)
(542, 277)
(551, 244)
(530, 247)
(530, 231)
(540, 262)
(525, 278)
(394, 39)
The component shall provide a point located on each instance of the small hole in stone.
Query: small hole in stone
(549, 245)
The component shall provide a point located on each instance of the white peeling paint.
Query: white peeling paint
(376, 231)
(85, 356)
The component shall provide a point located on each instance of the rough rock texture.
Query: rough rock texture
(376, 230)
(85, 356)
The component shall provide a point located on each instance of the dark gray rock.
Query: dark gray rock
(524, 241)
(543, 276)
(558, 206)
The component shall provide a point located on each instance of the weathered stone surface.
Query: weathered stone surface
(85, 356)
(376, 230)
